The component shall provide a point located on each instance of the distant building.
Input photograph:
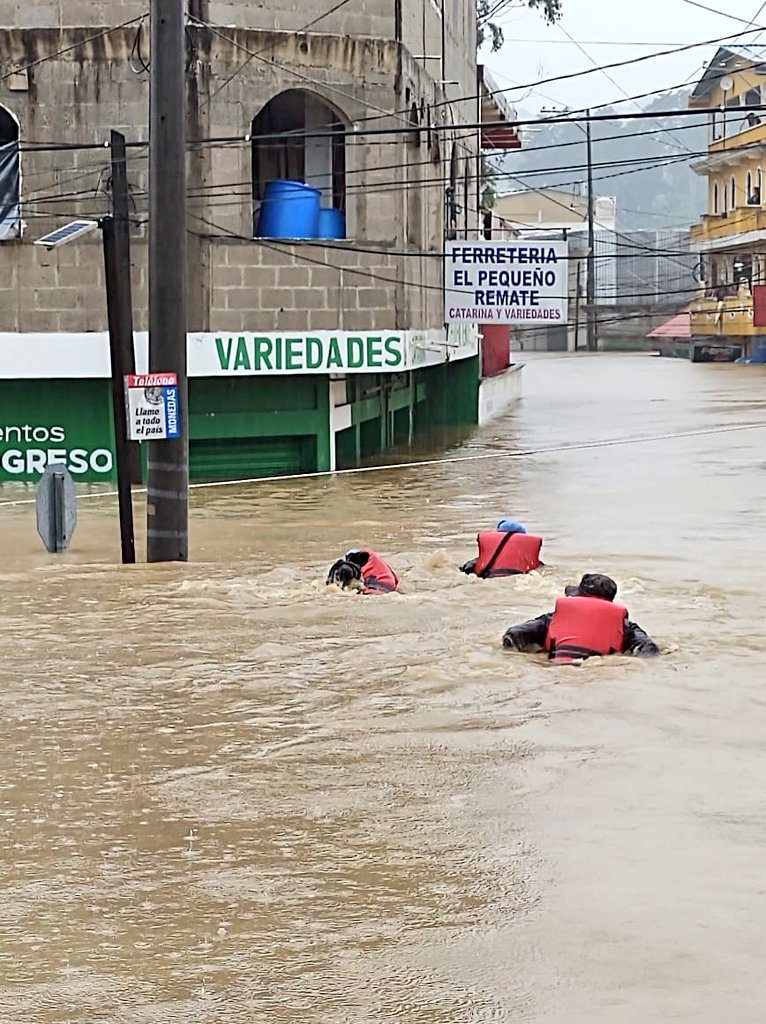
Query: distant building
(730, 239)
(525, 208)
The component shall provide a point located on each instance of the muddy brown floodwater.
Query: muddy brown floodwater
(229, 795)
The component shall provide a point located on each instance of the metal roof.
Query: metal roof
(753, 56)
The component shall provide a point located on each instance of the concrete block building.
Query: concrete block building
(364, 101)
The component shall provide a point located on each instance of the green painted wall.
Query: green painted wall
(389, 412)
(258, 426)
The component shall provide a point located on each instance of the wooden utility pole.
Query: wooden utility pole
(167, 534)
(115, 232)
(590, 281)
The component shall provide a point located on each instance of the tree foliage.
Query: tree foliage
(489, 11)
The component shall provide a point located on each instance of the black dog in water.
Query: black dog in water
(345, 574)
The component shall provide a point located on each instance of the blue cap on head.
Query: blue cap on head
(510, 526)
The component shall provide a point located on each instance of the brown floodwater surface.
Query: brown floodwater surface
(229, 794)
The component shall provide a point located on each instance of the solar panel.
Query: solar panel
(68, 233)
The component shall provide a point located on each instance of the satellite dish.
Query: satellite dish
(727, 83)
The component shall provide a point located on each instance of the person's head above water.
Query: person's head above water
(357, 556)
(594, 584)
(510, 526)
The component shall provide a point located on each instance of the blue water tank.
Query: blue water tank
(332, 223)
(289, 209)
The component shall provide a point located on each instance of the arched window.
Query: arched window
(414, 136)
(749, 188)
(733, 196)
(10, 211)
(298, 136)
(715, 197)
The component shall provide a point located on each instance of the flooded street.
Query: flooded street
(230, 795)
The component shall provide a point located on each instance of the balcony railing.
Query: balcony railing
(735, 222)
(732, 315)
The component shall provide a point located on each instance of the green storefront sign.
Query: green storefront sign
(308, 354)
(56, 421)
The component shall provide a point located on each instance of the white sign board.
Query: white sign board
(505, 282)
(152, 405)
(243, 353)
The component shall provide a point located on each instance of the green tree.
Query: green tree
(488, 11)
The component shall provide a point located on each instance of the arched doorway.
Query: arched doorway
(10, 213)
(298, 136)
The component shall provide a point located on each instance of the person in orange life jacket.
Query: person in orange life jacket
(365, 571)
(585, 622)
(507, 550)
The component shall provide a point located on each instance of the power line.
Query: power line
(257, 53)
(568, 76)
(723, 14)
(608, 76)
(446, 461)
(353, 132)
(254, 54)
(75, 46)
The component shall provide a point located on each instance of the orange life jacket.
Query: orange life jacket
(584, 626)
(507, 554)
(378, 576)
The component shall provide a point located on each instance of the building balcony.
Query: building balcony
(715, 226)
(724, 317)
(739, 127)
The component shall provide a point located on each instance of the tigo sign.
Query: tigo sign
(505, 282)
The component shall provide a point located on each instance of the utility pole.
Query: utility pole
(167, 508)
(590, 282)
(115, 232)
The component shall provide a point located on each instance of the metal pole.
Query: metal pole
(59, 508)
(115, 272)
(167, 508)
(121, 216)
(578, 289)
(590, 282)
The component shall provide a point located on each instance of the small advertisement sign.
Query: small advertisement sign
(152, 405)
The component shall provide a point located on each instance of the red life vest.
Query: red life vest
(520, 553)
(585, 626)
(378, 576)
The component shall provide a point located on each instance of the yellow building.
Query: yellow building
(731, 237)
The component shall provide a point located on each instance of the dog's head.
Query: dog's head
(343, 574)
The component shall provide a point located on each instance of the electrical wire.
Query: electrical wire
(257, 53)
(609, 78)
(445, 461)
(287, 69)
(569, 76)
(723, 14)
(74, 46)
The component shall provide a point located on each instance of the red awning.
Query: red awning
(677, 326)
(500, 137)
(497, 115)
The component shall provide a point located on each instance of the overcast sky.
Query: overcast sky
(609, 31)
